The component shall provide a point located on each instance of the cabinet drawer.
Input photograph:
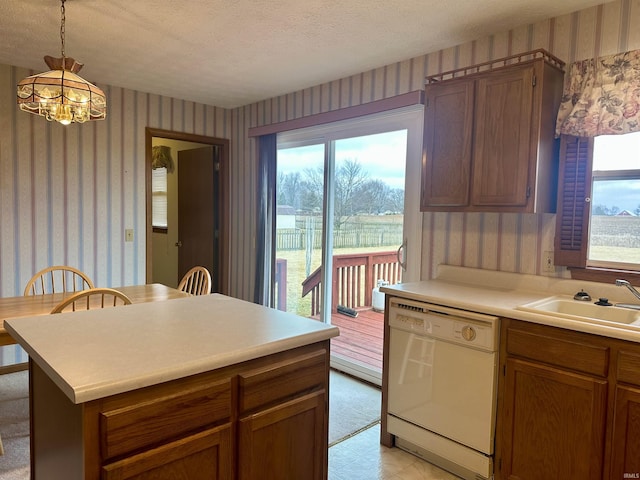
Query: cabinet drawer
(163, 417)
(629, 367)
(559, 350)
(203, 455)
(282, 380)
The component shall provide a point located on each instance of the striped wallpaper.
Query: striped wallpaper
(68, 193)
(506, 242)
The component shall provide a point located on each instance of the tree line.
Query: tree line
(355, 192)
(601, 209)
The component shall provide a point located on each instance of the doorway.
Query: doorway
(348, 218)
(208, 199)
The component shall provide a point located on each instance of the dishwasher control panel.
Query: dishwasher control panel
(459, 326)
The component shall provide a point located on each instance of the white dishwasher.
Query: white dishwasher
(442, 385)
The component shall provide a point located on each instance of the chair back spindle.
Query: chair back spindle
(57, 279)
(92, 298)
(196, 281)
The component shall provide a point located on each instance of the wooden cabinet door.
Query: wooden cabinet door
(502, 142)
(448, 131)
(553, 423)
(287, 441)
(204, 456)
(625, 454)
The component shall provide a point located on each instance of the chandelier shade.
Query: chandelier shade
(61, 94)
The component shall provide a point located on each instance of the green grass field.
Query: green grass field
(615, 239)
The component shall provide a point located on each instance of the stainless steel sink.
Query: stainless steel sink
(569, 308)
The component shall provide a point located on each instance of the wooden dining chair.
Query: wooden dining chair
(196, 281)
(59, 278)
(92, 298)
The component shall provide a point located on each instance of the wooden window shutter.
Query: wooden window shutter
(574, 201)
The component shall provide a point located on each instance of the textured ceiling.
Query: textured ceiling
(231, 53)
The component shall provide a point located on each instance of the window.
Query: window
(598, 217)
(614, 233)
(159, 197)
(599, 116)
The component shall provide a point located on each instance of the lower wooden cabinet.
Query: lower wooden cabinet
(554, 420)
(283, 419)
(625, 461)
(258, 420)
(275, 444)
(568, 405)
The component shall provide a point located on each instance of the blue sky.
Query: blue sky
(617, 152)
(383, 155)
(622, 194)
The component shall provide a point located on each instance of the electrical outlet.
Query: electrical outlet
(128, 235)
(547, 262)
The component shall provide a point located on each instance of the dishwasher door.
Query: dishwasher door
(444, 387)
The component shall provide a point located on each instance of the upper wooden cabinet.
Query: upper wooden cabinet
(489, 136)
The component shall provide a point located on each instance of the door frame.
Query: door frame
(409, 118)
(223, 197)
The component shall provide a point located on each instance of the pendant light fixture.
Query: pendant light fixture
(60, 94)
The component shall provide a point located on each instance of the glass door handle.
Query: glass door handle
(400, 255)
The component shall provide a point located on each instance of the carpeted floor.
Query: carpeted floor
(14, 425)
(353, 407)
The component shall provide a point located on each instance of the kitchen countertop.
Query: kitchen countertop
(97, 353)
(501, 293)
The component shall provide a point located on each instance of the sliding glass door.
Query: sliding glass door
(347, 223)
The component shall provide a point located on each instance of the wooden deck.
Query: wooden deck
(360, 338)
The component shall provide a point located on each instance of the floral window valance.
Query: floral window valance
(161, 158)
(601, 97)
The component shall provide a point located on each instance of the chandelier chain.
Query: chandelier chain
(62, 13)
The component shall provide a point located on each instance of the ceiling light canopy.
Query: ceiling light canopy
(60, 94)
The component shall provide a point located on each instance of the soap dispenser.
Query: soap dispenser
(582, 296)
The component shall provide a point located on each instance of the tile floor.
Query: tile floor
(360, 456)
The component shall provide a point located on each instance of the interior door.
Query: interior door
(198, 220)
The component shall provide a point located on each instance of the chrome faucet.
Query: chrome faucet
(624, 283)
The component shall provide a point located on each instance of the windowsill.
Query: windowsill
(604, 275)
(161, 230)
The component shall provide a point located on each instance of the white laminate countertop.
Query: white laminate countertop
(97, 353)
(501, 293)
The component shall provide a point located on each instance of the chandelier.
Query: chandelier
(60, 94)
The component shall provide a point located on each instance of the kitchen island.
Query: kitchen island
(200, 387)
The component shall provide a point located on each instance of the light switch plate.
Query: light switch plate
(128, 235)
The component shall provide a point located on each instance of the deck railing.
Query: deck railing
(354, 277)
